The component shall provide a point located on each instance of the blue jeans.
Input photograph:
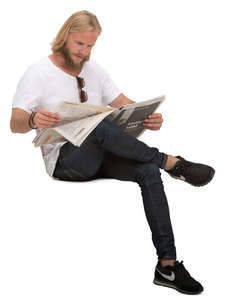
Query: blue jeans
(108, 152)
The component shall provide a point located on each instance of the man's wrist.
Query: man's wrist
(31, 121)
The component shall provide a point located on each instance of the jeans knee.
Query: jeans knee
(148, 174)
(104, 124)
(104, 129)
(100, 129)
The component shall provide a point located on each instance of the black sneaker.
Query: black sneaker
(193, 173)
(178, 278)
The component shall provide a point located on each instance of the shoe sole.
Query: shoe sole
(198, 185)
(157, 282)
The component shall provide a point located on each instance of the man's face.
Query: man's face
(78, 47)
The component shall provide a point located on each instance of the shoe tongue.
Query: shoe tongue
(176, 263)
(177, 168)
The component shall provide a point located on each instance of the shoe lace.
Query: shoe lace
(180, 269)
(179, 169)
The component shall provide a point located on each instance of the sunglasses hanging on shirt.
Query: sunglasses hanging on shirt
(81, 84)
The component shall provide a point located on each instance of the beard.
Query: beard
(69, 62)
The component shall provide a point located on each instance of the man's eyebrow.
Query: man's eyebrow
(82, 43)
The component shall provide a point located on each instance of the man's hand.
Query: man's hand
(153, 122)
(46, 119)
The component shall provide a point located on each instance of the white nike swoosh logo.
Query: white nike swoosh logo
(168, 277)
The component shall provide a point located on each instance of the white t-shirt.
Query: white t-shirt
(44, 85)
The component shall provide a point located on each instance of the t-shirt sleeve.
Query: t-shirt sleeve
(29, 91)
(109, 89)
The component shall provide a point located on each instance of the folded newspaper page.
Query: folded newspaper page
(79, 120)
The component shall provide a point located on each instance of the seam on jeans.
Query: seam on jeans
(67, 173)
(78, 173)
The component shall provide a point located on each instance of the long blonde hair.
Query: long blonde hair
(78, 22)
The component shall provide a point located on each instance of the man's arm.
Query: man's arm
(19, 121)
(120, 101)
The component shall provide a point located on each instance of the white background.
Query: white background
(61, 240)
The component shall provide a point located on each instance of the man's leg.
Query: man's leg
(168, 272)
(148, 177)
(110, 137)
(107, 137)
(82, 163)
(113, 139)
(85, 162)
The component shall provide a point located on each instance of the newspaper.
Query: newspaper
(78, 120)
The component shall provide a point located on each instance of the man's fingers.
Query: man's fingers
(42, 117)
(49, 114)
(152, 121)
(46, 119)
(155, 116)
(46, 123)
(152, 127)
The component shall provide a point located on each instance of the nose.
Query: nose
(84, 50)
